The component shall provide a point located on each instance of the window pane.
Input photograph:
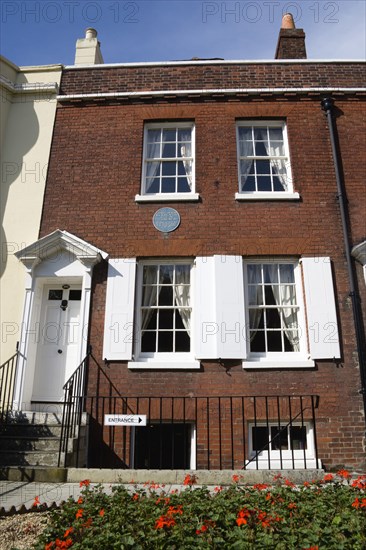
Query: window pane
(273, 319)
(277, 185)
(248, 183)
(166, 296)
(298, 438)
(260, 134)
(279, 438)
(184, 134)
(166, 318)
(169, 150)
(165, 341)
(257, 341)
(55, 294)
(169, 134)
(168, 168)
(153, 135)
(183, 185)
(148, 341)
(260, 438)
(270, 272)
(153, 150)
(246, 148)
(168, 185)
(277, 149)
(152, 185)
(275, 134)
(184, 150)
(287, 273)
(150, 274)
(260, 149)
(287, 295)
(274, 341)
(245, 133)
(263, 167)
(182, 341)
(75, 295)
(166, 274)
(264, 183)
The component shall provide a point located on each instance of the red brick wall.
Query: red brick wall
(94, 175)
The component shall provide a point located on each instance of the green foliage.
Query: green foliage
(330, 514)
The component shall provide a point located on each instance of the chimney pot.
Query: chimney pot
(90, 33)
(288, 21)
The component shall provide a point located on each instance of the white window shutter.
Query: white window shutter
(204, 309)
(230, 309)
(118, 326)
(321, 308)
(219, 310)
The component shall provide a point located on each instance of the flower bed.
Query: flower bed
(328, 514)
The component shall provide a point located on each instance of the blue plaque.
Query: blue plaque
(166, 220)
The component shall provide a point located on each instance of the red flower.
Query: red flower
(306, 484)
(68, 531)
(164, 521)
(218, 489)
(201, 530)
(243, 514)
(328, 477)
(260, 486)
(235, 478)
(344, 473)
(359, 504)
(36, 502)
(190, 480)
(48, 546)
(85, 483)
(102, 512)
(80, 500)
(135, 496)
(360, 482)
(312, 548)
(289, 483)
(88, 522)
(175, 510)
(292, 505)
(79, 513)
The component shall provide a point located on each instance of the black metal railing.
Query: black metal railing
(8, 371)
(203, 432)
(73, 408)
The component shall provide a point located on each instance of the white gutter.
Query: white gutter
(226, 91)
(213, 62)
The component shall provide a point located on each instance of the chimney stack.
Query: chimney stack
(291, 41)
(88, 49)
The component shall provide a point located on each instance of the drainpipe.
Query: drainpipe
(328, 106)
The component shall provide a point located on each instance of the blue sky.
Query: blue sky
(45, 31)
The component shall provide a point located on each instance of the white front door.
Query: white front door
(59, 339)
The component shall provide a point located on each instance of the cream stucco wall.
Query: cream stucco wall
(28, 107)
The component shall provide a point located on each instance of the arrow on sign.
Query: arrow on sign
(125, 419)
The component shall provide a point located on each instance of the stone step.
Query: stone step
(24, 444)
(28, 458)
(30, 430)
(33, 417)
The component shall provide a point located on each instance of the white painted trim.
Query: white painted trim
(285, 364)
(32, 87)
(174, 364)
(209, 91)
(264, 196)
(214, 62)
(168, 197)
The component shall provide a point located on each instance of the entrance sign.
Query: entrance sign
(125, 419)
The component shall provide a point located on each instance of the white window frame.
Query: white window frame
(280, 359)
(178, 196)
(162, 360)
(266, 195)
(273, 457)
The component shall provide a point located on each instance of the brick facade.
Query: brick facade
(95, 173)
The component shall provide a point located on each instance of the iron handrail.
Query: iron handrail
(8, 372)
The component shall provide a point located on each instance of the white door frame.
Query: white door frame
(57, 258)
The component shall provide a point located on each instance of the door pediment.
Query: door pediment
(58, 243)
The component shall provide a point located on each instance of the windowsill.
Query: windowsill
(267, 196)
(168, 197)
(278, 364)
(172, 365)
